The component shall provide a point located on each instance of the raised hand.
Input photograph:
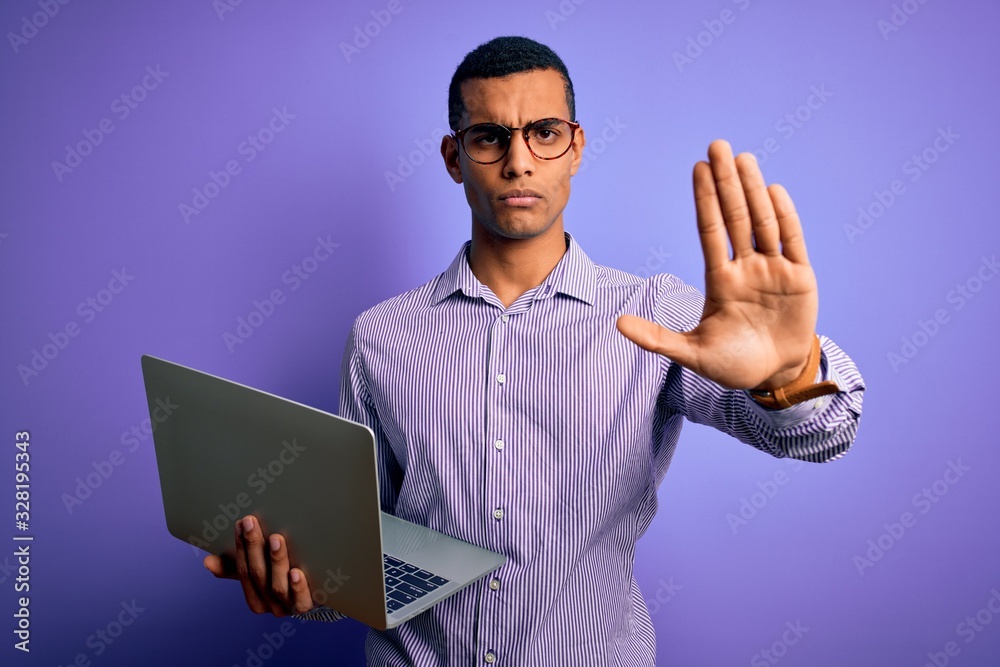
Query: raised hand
(761, 305)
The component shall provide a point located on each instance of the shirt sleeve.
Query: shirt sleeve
(819, 430)
(356, 405)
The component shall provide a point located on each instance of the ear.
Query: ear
(579, 141)
(449, 151)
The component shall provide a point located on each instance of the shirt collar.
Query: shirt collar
(574, 275)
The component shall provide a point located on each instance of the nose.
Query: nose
(519, 160)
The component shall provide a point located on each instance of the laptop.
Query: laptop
(225, 450)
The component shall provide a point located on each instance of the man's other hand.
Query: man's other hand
(261, 565)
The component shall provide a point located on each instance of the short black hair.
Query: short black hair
(503, 56)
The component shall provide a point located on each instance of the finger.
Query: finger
(279, 570)
(254, 599)
(793, 242)
(301, 597)
(711, 226)
(655, 338)
(259, 564)
(223, 566)
(765, 224)
(733, 202)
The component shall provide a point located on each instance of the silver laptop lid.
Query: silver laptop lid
(229, 450)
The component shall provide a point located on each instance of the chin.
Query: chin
(521, 226)
(521, 231)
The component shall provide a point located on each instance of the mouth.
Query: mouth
(520, 197)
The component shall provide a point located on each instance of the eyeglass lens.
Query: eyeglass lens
(488, 142)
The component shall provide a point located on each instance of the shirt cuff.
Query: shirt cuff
(320, 613)
(800, 412)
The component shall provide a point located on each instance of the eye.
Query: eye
(546, 135)
(487, 136)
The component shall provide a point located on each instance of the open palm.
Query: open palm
(761, 305)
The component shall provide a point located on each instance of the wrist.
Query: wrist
(802, 387)
(784, 378)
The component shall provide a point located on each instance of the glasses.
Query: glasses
(547, 139)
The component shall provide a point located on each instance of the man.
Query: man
(529, 401)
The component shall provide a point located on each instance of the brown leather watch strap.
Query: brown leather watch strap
(802, 388)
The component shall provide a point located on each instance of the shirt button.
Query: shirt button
(501, 378)
(490, 657)
(498, 513)
(494, 584)
(498, 444)
(505, 317)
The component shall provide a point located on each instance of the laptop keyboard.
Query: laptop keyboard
(406, 583)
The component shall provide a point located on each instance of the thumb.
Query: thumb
(220, 567)
(655, 338)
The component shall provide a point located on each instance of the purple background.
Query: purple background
(720, 592)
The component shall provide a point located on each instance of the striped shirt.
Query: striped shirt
(539, 431)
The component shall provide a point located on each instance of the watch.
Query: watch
(800, 389)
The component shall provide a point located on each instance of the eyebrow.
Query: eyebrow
(552, 121)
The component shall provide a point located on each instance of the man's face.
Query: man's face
(515, 101)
